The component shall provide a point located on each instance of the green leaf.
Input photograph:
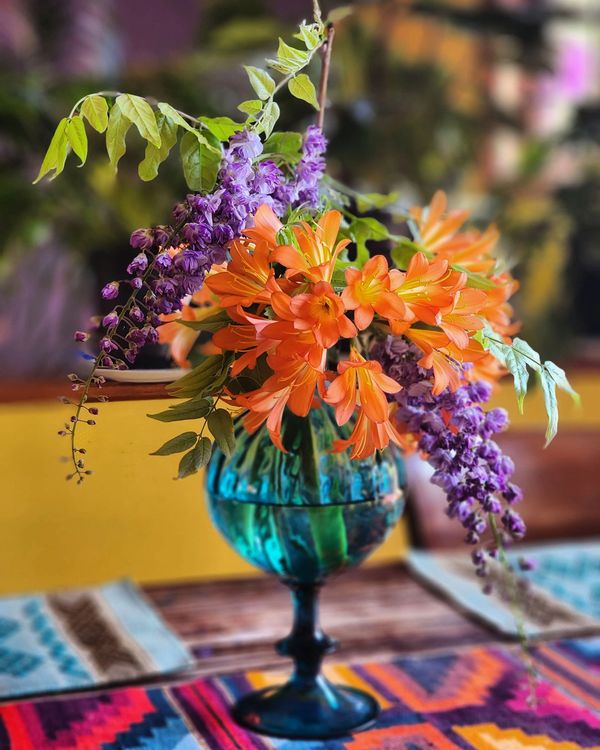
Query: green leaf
(153, 157)
(221, 426)
(177, 444)
(212, 324)
(475, 280)
(289, 59)
(550, 401)
(196, 459)
(195, 408)
(269, 118)
(338, 14)
(118, 126)
(368, 201)
(517, 367)
(251, 106)
(529, 354)
(286, 144)
(310, 34)
(141, 115)
(95, 110)
(222, 127)
(261, 81)
(56, 154)
(201, 377)
(403, 253)
(76, 135)
(200, 162)
(303, 88)
(361, 231)
(173, 115)
(560, 378)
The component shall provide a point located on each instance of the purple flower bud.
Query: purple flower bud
(514, 524)
(197, 233)
(111, 290)
(131, 354)
(136, 337)
(92, 410)
(141, 239)
(513, 494)
(138, 265)
(81, 336)
(111, 319)
(107, 362)
(107, 345)
(163, 261)
(136, 314)
(136, 282)
(161, 235)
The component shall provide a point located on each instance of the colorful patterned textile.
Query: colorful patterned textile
(563, 596)
(79, 638)
(471, 700)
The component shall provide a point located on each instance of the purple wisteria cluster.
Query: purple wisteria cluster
(455, 433)
(159, 279)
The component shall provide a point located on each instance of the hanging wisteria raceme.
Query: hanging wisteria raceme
(455, 434)
(172, 261)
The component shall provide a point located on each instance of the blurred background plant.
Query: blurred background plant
(495, 101)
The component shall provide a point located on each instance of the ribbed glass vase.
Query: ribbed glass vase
(303, 515)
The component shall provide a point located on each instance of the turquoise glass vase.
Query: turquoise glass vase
(303, 516)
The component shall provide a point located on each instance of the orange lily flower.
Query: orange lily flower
(316, 251)
(368, 436)
(322, 312)
(462, 316)
(266, 226)
(368, 292)
(245, 280)
(292, 384)
(497, 309)
(426, 287)
(360, 379)
(444, 357)
(181, 338)
(438, 233)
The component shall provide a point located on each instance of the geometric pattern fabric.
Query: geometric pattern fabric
(477, 699)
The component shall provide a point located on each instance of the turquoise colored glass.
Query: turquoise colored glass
(303, 516)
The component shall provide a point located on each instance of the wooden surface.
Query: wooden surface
(375, 612)
(560, 484)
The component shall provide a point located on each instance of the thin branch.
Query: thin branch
(326, 55)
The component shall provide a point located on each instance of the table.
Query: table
(376, 612)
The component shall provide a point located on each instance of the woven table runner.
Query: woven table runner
(477, 698)
(81, 638)
(563, 593)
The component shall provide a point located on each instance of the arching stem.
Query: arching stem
(326, 64)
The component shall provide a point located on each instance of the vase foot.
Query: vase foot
(315, 712)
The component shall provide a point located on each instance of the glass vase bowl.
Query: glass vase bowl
(303, 516)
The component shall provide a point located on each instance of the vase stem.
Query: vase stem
(306, 644)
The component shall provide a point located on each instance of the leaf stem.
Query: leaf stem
(323, 81)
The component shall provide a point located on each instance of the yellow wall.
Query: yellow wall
(131, 518)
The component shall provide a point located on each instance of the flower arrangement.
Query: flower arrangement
(272, 262)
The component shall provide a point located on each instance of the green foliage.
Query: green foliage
(195, 408)
(303, 88)
(56, 155)
(95, 110)
(269, 118)
(139, 112)
(261, 82)
(177, 444)
(519, 358)
(116, 132)
(221, 426)
(77, 138)
(251, 106)
(205, 378)
(212, 324)
(200, 161)
(360, 231)
(289, 60)
(285, 145)
(196, 459)
(148, 168)
(221, 127)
